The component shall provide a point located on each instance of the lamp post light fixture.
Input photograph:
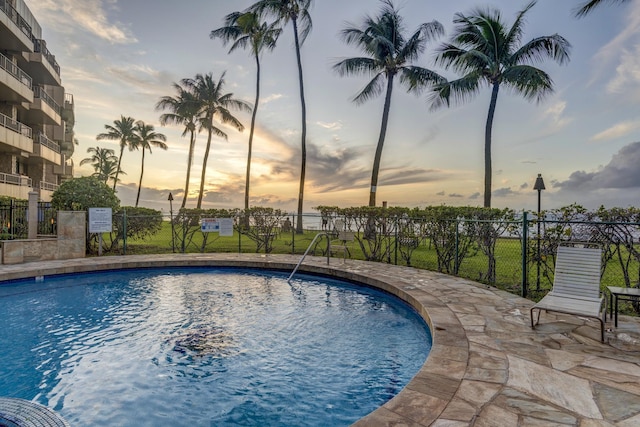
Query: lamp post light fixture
(538, 186)
(173, 246)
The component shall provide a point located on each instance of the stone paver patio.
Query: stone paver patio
(487, 366)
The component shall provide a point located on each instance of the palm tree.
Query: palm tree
(487, 53)
(103, 161)
(184, 111)
(296, 12)
(246, 29)
(122, 131)
(213, 104)
(588, 6)
(145, 137)
(389, 54)
(108, 170)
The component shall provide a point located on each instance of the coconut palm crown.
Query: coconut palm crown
(389, 54)
(488, 53)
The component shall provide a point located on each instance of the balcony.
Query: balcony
(17, 186)
(43, 110)
(15, 32)
(68, 114)
(15, 135)
(65, 171)
(41, 64)
(15, 84)
(46, 149)
(46, 191)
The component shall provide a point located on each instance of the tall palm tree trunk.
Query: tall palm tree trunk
(487, 145)
(140, 182)
(204, 166)
(303, 151)
(383, 133)
(253, 124)
(115, 179)
(192, 144)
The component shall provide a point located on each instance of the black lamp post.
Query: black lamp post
(538, 186)
(173, 246)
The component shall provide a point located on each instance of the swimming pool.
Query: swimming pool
(206, 347)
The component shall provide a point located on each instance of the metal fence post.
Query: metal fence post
(456, 261)
(124, 231)
(525, 247)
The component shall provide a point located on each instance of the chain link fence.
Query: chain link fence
(517, 255)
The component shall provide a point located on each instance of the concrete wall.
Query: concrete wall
(70, 242)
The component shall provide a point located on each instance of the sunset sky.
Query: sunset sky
(119, 58)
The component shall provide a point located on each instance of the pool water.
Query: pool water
(206, 347)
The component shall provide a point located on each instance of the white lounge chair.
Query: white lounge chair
(576, 286)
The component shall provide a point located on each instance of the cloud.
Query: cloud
(616, 131)
(475, 196)
(606, 53)
(524, 186)
(621, 172)
(90, 15)
(271, 98)
(331, 126)
(555, 113)
(455, 195)
(503, 192)
(440, 193)
(626, 81)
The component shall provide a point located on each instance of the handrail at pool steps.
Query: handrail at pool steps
(307, 251)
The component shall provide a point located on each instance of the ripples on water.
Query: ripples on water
(198, 348)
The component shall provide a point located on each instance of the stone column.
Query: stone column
(33, 215)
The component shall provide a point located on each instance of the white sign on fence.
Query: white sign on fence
(224, 226)
(100, 220)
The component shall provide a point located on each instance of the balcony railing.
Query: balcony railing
(43, 140)
(21, 180)
(47, 186)
(15, 17)
(40, 46)
(11, 68)
(39, 92)
(14, 125)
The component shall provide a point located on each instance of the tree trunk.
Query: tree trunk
(192, 143)
(204, 165)
(115, 180)
(253, 124)
(487, 145)
(303, 151)
(141, 173)
(383, 132)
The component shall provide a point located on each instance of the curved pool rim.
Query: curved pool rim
(421, 401)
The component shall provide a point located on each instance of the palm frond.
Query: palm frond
(417, 79)
(455, 91)
(357, 66)
(555, 47)
(530, 82)
(588, 6)
(372, 89)
(514, 36)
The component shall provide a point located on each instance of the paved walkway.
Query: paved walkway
(487, 366)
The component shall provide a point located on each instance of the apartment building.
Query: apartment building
(36, 115)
